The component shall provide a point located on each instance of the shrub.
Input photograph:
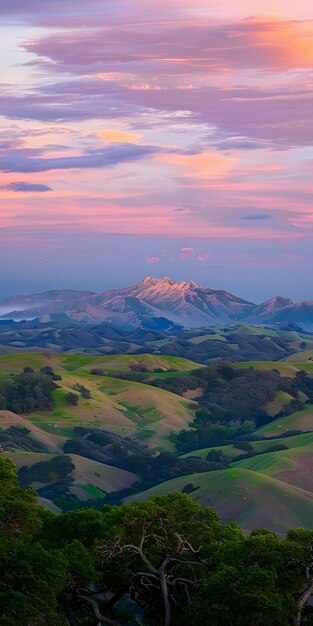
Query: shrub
(71, 398)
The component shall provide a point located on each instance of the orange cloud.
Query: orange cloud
(287, 44)
(118, 136)
(204, 165)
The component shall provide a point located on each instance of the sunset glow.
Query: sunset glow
(172, 134)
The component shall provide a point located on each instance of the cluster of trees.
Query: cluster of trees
(85, 393)
(127, 454)
(28, 391)
(206, 434)
(167, 556)
(56, 469)
(18, 437)
(233, 403)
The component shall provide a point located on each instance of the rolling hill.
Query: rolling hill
(252, 498)
(130, 410)
(235, 342)
(121, 406)
(272, 490)
(75, 453)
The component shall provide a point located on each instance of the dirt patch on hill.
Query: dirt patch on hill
(303, 477)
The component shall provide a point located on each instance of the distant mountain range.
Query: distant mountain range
(155, 302)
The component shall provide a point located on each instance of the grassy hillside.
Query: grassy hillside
(253, 499)
(121, 406)
(270, 488)
(286, 368)
(301, 357)
(91, 479)
(52, 441)
(301, 420)
(293, 466)
(76, 362)
(231, 452)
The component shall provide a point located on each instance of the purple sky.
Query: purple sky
(163, 137)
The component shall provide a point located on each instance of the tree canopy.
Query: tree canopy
(168, 556)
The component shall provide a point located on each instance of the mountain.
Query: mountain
(280, 309)
(153, 303)
(40, 304)
(183, 303)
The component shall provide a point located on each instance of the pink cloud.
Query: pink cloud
(186, 253)
(153, 259)
(175, 48)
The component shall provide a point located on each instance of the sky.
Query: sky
(160, 137)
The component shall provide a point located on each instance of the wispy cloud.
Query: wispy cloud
(106, 157)
(24, 187)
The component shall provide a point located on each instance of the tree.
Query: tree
(27, 391)
(159, 548)
(299, 546)
(71, 398)
(248, 584)
(172, 557)
(31, 576)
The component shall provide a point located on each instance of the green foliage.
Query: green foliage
(233, 402)
(174, 558)
(82, 390)
(31, 578)
(71, 398)
(18, 508)
(19, 439)
(27, 392)
(56, 469)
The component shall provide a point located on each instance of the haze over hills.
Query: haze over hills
(184, 303)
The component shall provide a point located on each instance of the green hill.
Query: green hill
(231, 452)
(294, 466)
(271, 488)
(126, 408)
(251, 498)
(301, 420)
(90, 478)
(121, 406)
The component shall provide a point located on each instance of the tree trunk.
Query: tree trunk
(301, 604)
(166, 602)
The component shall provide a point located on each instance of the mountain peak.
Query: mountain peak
(165, 281)
(277, 303)
(152, 280)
